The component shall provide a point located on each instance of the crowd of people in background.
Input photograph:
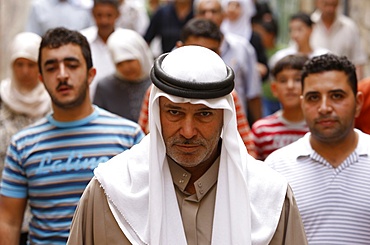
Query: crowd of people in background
(81, 91)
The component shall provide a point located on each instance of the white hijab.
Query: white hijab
(124, 44)
(242, 26)
(34, 103)
(140, 178)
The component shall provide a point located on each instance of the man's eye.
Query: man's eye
(174, 112)
(282, 80)
(50, 68)
(72, 65)
(205, 113)
(312, 98)
(337, 96)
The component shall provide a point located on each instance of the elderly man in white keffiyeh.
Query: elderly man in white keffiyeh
(191, 180)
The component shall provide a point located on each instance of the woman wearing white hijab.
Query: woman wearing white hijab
(238, 17)
(23, 98)
(122, 93)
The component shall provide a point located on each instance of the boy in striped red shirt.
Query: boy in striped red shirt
(286, 125)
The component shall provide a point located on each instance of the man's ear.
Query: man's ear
(273, 88)
(91, 74)
(359, 103)
(41, 78)
(179, 44)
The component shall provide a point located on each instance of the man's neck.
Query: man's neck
(72, 114)
(337, 151)
(328, 20)
(104, 36)
(305, 49)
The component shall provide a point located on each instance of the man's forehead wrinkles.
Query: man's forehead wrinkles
(199, 107)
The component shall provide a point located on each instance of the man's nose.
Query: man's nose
(62, 75)
(325, 106)
(188, 129)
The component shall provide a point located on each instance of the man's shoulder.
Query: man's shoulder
(90, 33)
(36, 128)
(235, 47)
(290, 153)
(363, 145)
(110, 118)
(347, 21)
(237, 42)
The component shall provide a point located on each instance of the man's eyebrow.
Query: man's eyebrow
(67, 59)
(330, 91)
(337, 91)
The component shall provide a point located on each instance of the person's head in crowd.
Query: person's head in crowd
(286, 82)
(201, 32)
(300, 28)
(267, 27)
(328, 8)
(66, 68)
(23, 92)
(209, 9)
(105, 13)
(208, 102)
(131, 55)
(205, 33)
(330, 101)
(238, 14)
(23, 60)
(234, 9)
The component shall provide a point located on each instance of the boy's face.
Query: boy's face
(287, 88)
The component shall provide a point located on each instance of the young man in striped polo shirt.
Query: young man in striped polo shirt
(329, 168)
(50, 163)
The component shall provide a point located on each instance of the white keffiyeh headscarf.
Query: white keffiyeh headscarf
(138, 182)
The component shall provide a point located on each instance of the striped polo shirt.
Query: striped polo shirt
(334, 202)
(51, 162)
